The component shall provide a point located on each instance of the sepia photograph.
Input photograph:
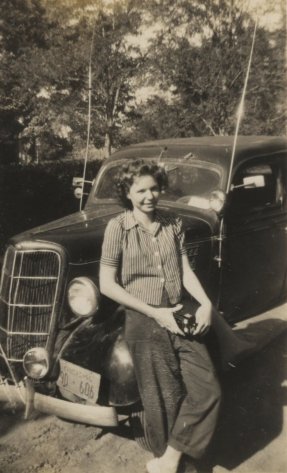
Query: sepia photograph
(143, 236)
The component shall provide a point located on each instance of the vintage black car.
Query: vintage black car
(65, 340)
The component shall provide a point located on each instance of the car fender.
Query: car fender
(100, 347)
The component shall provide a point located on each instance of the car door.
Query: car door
(255, 238)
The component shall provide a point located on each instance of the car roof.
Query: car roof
(201, 147)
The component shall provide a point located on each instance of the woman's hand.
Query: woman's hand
(203, 317)
(164, 317)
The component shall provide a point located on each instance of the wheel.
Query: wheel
(137, 422)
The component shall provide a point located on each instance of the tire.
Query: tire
(137, 422)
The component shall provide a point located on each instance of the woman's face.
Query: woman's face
(144, 194)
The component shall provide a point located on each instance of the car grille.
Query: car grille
(29, 294)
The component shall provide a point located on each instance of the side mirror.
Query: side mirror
(251, 182)
(254, 181)
(77, 182)
(80, 181)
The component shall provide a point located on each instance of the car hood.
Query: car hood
(81, 233)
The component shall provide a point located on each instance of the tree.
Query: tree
(104, 39)
(22, 32)
(45, 78)
(115, 63)
(201, 54)
(197, 58)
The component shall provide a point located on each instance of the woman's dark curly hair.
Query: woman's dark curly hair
(133, 169)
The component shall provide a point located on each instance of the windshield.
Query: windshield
(188, 183)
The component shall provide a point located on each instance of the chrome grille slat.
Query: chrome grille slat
(30, 286)
(36, 334)
(36, 277)
(36, 292)
(26, 305)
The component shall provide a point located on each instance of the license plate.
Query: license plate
(79, 381)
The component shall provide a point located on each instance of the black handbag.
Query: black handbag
(185, 317)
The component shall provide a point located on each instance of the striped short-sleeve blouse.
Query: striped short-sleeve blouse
(147, 262)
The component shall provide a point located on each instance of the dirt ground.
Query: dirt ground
(251, 436)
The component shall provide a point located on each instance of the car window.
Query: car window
(258, 186)
(189, 183)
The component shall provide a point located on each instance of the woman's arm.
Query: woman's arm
(112, 289)
(194, 288)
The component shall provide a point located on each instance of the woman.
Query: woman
(145, 267)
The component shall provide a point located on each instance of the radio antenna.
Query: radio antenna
(89, 116)
(241, 108)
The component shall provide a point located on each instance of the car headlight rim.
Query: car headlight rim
(83, 297)
(36, 362)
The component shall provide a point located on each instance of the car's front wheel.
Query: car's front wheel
(138, 425)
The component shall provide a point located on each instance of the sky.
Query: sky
(274, 17)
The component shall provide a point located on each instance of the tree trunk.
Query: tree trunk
(108, 144)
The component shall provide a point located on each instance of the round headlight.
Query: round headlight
(83, 297)
(36, 362)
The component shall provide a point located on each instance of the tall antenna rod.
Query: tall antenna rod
(89, 116)
(241, 108)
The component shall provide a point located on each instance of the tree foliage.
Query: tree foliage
(44, 82)
(22, 32)
(197, 59)
(115, 63)
(201, 54)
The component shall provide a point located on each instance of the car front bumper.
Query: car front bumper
(23, 394)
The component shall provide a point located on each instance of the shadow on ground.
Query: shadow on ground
(252, 413)
(12, 417)
(9, 418)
